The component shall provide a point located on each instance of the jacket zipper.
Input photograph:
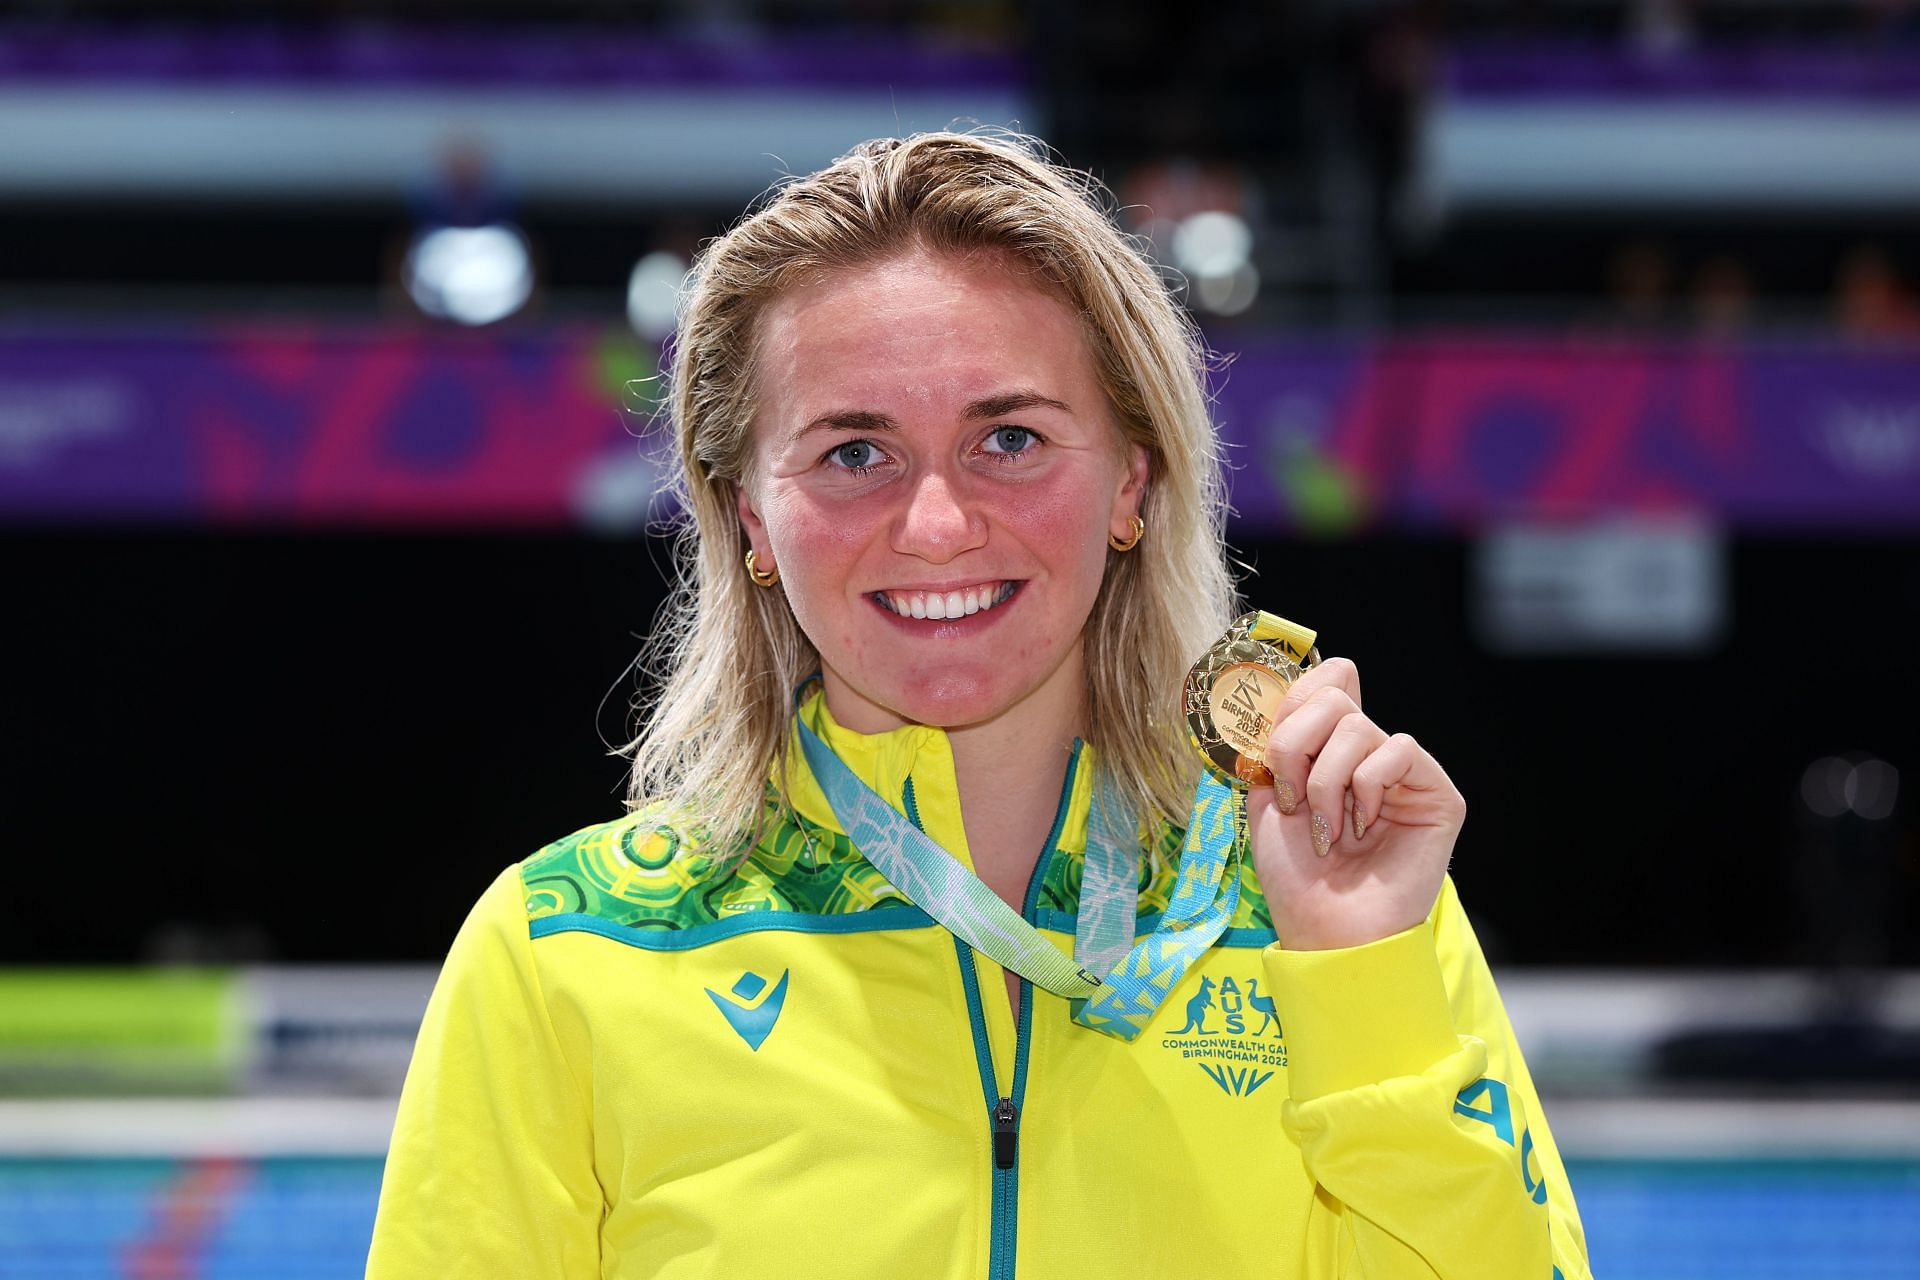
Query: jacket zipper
(1006, 1192)
(1006, 1133)
(1003, 1111)
(1007, 1114)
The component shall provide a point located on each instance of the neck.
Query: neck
(1010, 769)
(994, 762)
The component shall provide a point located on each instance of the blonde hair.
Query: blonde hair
(729, 655)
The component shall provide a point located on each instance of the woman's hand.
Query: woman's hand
(1360, 852)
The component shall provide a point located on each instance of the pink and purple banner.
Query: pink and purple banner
(408, 426)
(312, 425)
(1446, 433)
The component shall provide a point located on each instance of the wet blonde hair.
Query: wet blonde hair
(727, 656)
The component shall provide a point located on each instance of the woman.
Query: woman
(954, 544)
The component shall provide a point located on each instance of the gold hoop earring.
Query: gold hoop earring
(1139, 531)
(761, 577)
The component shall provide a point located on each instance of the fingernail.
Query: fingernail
(1322, 834)
(1359, 824)
(1283, 795)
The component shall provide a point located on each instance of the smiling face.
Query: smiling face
(935, 472)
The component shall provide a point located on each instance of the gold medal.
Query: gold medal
(1233, 694)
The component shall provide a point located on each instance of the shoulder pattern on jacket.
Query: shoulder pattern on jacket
(636, 872)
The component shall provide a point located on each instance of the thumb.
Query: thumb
(1265, 814)
(1259, 804)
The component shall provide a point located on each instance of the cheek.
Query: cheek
(818, 546)
(1065, 522)
(806, 533)
(1062, 513)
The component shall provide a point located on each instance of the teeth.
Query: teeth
(949, 604)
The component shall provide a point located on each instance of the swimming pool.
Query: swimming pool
(307, 1218)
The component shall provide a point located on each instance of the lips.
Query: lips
(957, 603)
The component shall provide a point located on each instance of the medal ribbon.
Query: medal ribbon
(1205, 895)
(1290, 638)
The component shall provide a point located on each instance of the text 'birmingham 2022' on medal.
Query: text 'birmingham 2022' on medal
(1234, 692)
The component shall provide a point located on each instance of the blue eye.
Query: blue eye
(854, 455)
(1010, 440)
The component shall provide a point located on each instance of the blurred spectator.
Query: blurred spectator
(1661, 28)
(1722, 297)
(1892, 19)
(465, 191)
(1160, 194)
(1639, 280)
(493, 273)
(1177, 187)
(1870, 300)
(1399, 68)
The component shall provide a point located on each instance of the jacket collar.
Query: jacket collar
(911, 768)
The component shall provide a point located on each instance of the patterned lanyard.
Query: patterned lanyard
(1117, 983)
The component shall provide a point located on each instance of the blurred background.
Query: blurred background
(1570, 359)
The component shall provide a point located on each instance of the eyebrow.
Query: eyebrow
(996, 406)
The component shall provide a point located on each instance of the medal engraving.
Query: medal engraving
(1232, 697)
(1244, 699)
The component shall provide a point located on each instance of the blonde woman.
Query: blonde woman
(928, 948)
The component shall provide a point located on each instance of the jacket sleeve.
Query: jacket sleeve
(490, 1170)
(1415, 1115)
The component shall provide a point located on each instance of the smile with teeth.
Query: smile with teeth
(946, 604)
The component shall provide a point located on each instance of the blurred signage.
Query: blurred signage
(1626, 585)
(546, 426)
(1449, 434)
(278, 425)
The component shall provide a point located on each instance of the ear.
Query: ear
(756, 527)
(1132, 492)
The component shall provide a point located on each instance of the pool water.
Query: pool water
(309, 1219)
(1752, 1220)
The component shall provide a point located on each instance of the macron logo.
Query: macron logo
(752, 1021)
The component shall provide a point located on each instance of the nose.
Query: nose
(938, 521)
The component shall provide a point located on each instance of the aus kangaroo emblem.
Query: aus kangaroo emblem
(1232, 1033)
(1235, 1003)
(1197, 1010)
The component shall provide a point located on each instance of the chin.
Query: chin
(953, 704)
(949, 699)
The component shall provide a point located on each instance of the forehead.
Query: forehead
(919, 327)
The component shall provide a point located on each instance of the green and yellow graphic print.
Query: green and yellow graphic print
(634, 871)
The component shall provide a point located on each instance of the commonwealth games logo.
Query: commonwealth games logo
(1232, 1032)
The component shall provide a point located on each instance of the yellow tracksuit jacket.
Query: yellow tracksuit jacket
(638, 1064)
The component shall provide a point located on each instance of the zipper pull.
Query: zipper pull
(1006, 1133)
